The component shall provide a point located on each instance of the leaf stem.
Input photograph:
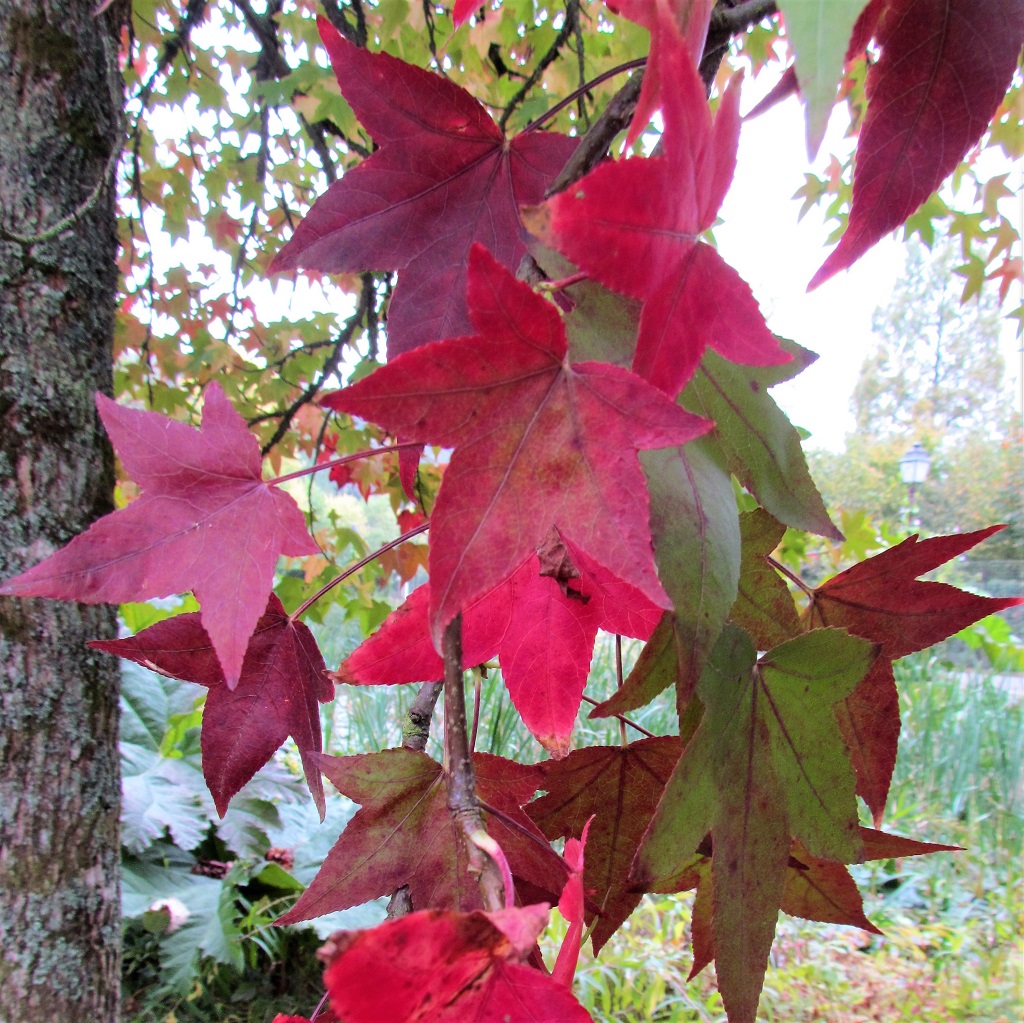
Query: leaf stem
(361, 563)
(630, 65)
(565, 282)
(623, 718)
(460, 779)
(366, 453)
(791, 576)
(618, 680)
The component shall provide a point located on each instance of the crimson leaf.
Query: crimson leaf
(206, 522)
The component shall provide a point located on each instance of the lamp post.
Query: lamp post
(914, 466)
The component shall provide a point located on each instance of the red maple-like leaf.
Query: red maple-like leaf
(282, 683)
(444, 967)
(538, 444)
(675, 25)
(443, 178)
(634, 225)
(206, 522)
(542, 630)
(404, 834)
(619, 787)
(943, 70)
(882, 600)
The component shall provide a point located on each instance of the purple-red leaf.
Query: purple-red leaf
(538, 444)
(404, 834)
(282, 683)
(945, 66)
(443, 178)
(206, 522)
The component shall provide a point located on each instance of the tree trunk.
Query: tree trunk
(60, 99)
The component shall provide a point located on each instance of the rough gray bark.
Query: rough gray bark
(60, 97)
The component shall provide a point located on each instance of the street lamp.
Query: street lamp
(914, 466)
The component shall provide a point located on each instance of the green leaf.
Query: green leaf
(760, 445)
(764, 606)
(766, 764)
(819, 32)
(695, 528)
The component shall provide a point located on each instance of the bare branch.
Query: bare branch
(460, 779)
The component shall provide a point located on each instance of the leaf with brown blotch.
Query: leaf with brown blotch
(444, 178)
(282, 683)
(538, 444)
(943, 70)
(619, 786)
(445, 967)
(541, 626)
(766, 764)
(404, 834)
(206, 522)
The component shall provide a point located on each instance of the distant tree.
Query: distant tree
(936, 371)
(936, 375)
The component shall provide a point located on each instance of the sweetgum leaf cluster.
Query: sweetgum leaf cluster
(601, 377)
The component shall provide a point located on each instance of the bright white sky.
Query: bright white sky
(777, 256)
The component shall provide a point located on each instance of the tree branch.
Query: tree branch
(460, 779)
(416, 730)
(728, 19)
(415, 733)
(593, 146)
(317, 382)
(572, 10)
(193, 15)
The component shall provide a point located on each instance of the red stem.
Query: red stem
(309, 470)
(791, 576)
(566, 282)
(630, 65)
(361, 563)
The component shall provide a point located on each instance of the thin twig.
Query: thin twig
(791, 576)
(592, 148)
(342, 460)
(572, 10)
(629, 65)
(310, 392)
(619, 680)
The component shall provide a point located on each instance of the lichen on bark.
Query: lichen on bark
(59, 771)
